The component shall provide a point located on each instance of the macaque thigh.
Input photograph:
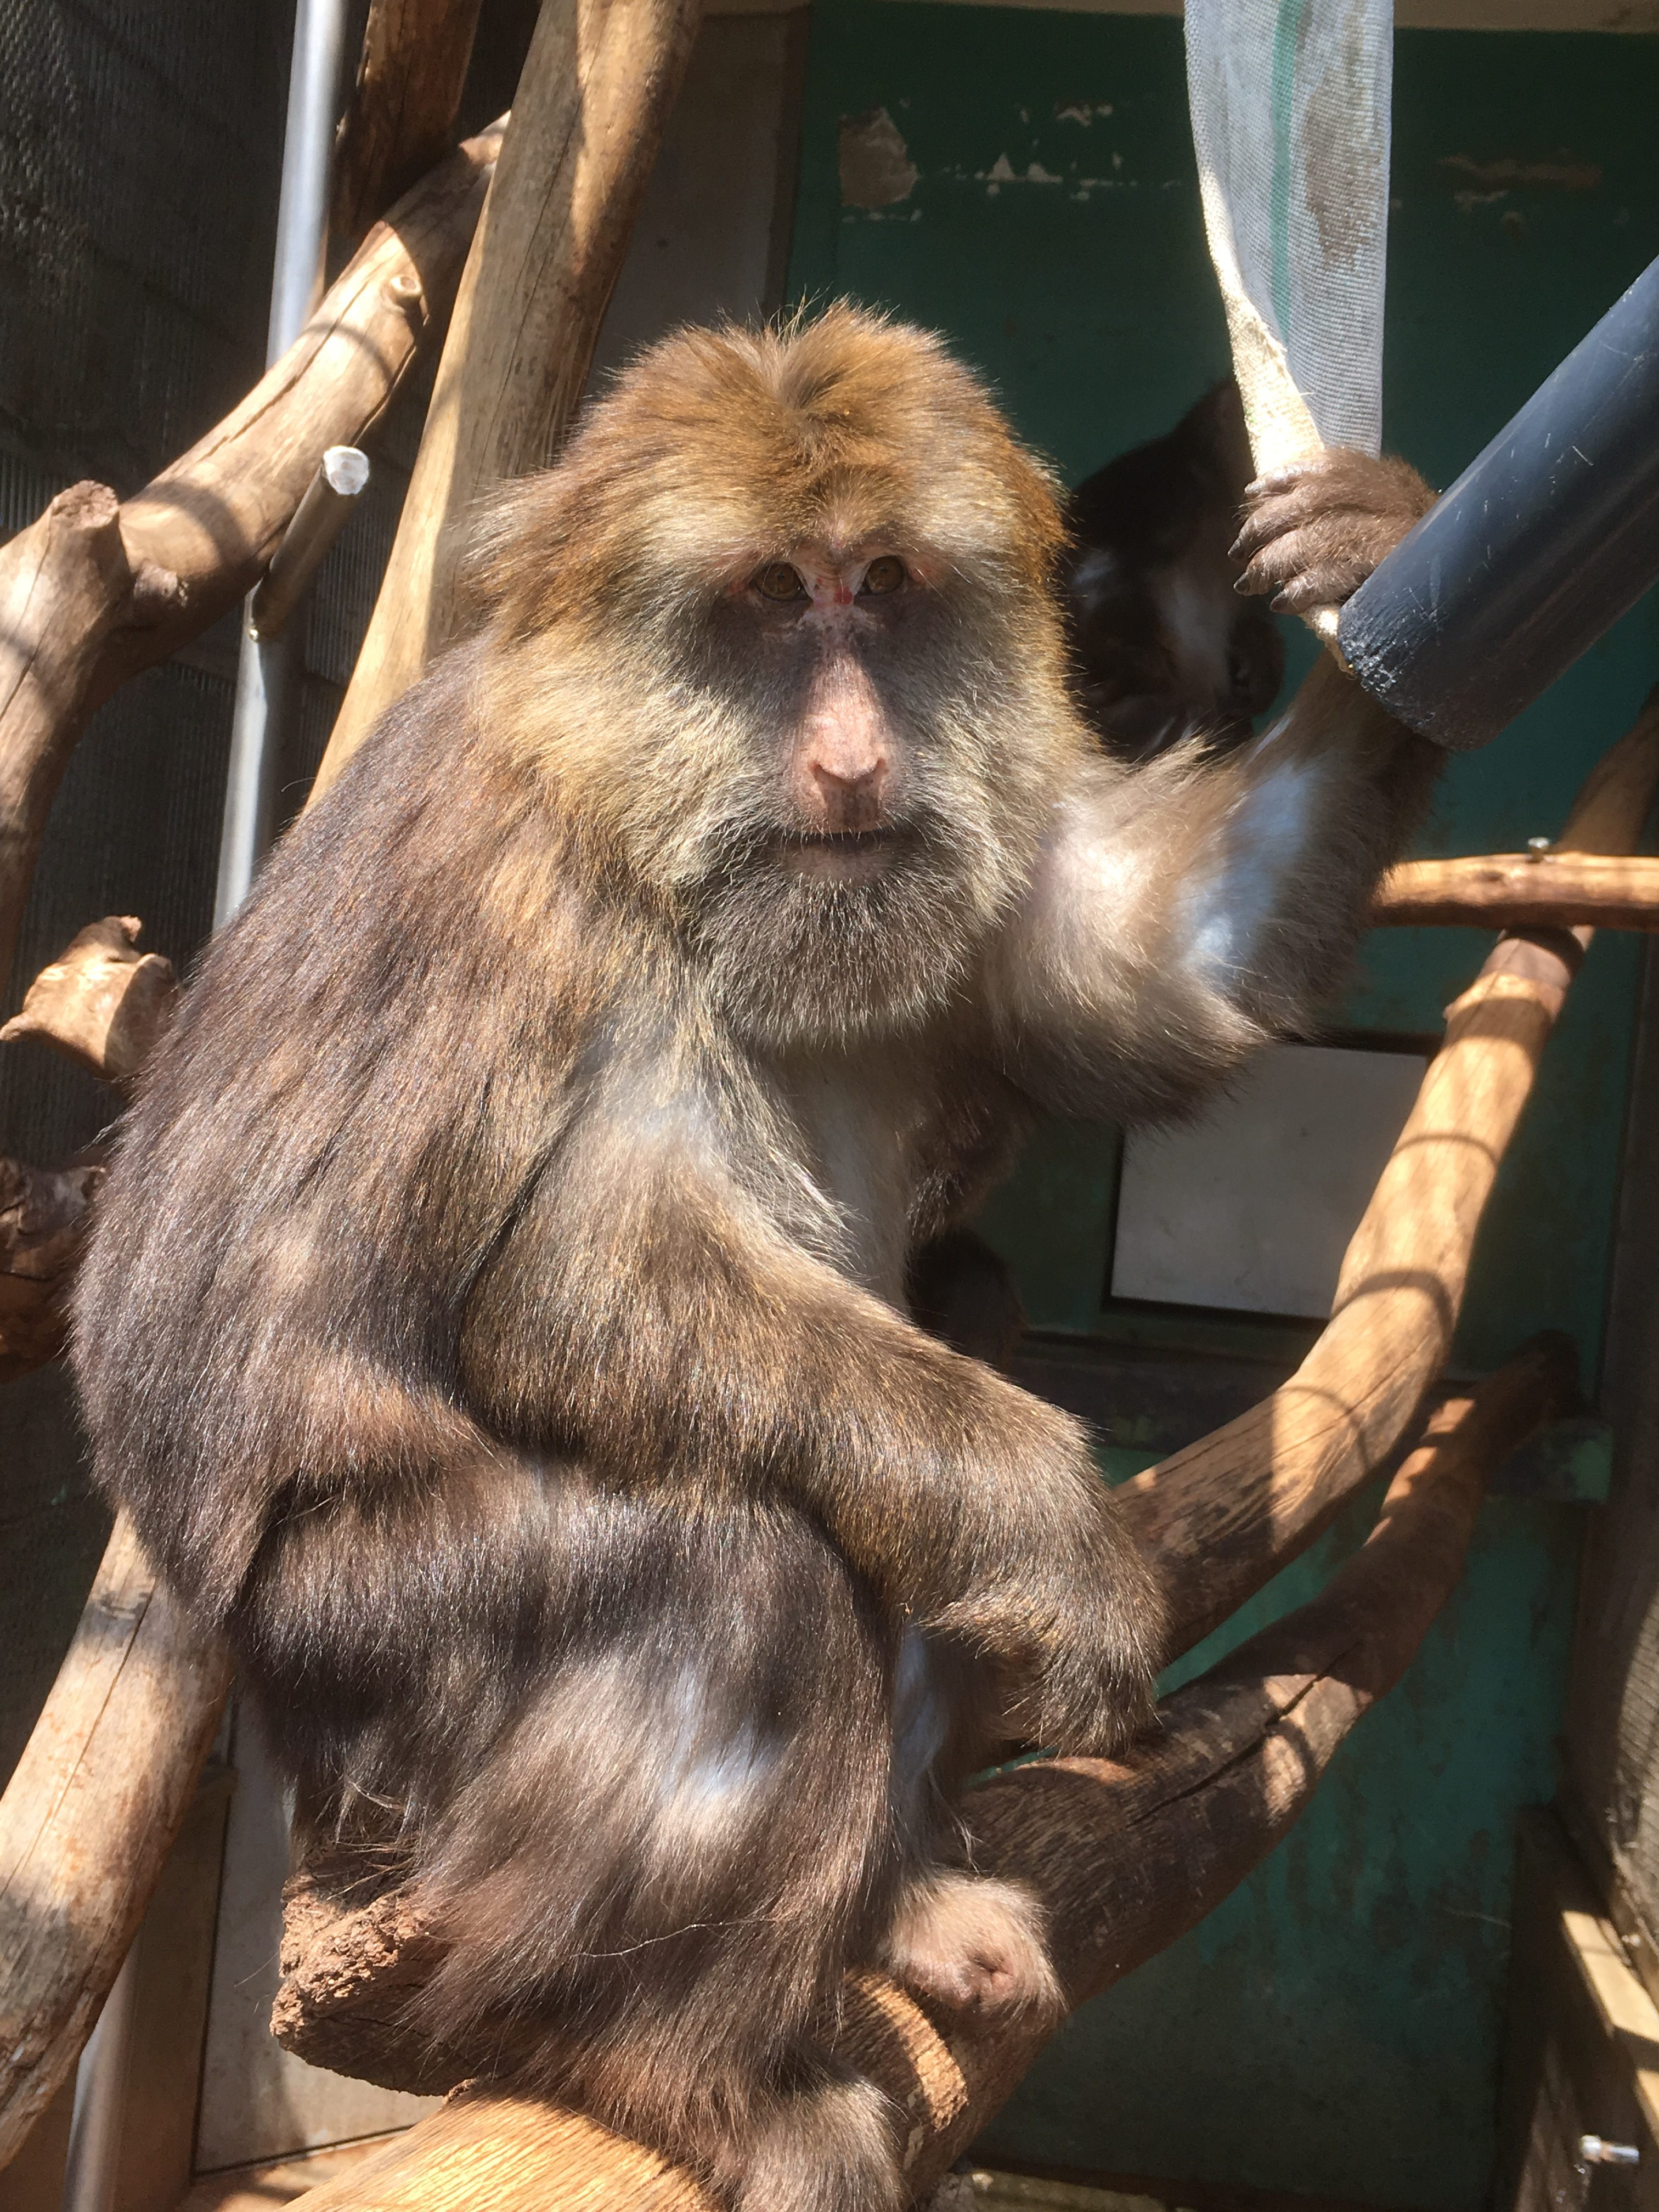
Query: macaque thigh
(686, 1830)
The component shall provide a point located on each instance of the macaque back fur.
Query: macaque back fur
(495, 1321)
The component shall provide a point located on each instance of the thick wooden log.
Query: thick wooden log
(101, 1003)
(410, 73)
(599, 84)
(90, 1816)
(1126, 1855)
(1226, 1514)
(97, 590)
(1550, 889)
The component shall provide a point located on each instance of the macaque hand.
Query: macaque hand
(1313, 533)
(1071, 1616)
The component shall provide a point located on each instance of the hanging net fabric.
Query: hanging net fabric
(1291, 106)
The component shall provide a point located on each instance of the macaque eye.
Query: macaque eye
(778, 581)
(884, 575)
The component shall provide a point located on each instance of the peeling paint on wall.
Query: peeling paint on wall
(876, 168)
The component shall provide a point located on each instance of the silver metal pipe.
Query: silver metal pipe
(101, 2083)
(267, 684)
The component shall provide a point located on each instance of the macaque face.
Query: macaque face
(781, 629)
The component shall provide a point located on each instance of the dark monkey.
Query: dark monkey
(494, 1319)
(1163, 644)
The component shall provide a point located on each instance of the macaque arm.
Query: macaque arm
(654, 1321)
(1182, 913)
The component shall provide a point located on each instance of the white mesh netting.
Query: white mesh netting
(1290, 102)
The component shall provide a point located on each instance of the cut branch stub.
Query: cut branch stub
(102, 1003)
(1126, 1855)
(94, 592)
(599, 84)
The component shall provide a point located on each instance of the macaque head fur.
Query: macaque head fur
(779, 629)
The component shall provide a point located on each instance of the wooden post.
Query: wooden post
(599, 85)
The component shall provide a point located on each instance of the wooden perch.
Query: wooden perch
(88, 1818)
(599, 84)
(97, 589)
(102, 1003)
(402, 117)
(1126, 1855)
(1549, 890)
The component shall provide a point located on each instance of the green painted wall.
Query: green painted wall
(1333, 2028)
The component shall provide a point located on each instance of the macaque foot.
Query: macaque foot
(972, 1944)
(831, 2149)
(1313, 533)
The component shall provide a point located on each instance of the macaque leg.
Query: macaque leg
(670, 1854)
(965, 1940)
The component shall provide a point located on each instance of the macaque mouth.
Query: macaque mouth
(846, 840)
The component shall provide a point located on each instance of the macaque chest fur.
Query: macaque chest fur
(499, 1318)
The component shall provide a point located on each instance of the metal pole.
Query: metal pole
(100, 2080)
(1545, 540)
(268, 675)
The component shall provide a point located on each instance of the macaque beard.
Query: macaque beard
(812, 941)
(796, 957)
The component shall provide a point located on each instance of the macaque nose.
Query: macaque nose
(848, 790)
(844, 757)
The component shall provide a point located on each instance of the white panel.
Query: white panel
(1252, 1206)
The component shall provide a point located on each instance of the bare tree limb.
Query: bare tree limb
(599, 84)
(1228, 1512)
(90, 1816)
(97, 590)
(411, 75)
(1522, 890)
(101, 1003)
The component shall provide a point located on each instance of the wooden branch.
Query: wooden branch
(1126, 1855)
(1522, 890)
(1226, 1514)
(411, 75)
(599, 84)
(44, 1213)
(97, 590)
(90, 1816)
(102, 1003)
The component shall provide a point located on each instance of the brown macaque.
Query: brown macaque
(1163, 645)
(495, 1318)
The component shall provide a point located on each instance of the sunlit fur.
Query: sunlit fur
(495, 1321)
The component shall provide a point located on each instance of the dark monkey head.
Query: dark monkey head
(1162, 641)
(780, 631)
